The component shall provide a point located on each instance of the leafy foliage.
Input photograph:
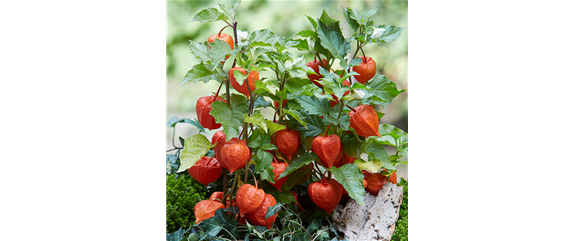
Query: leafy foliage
(402, 226)
(314, 105)
(182, 193)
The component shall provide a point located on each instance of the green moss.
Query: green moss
(182, 193)
(402, 227)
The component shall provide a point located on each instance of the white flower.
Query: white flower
(289, 64)
(242, 37)
(359, 94)
(377, 33)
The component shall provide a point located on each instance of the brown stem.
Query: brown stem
(364, 57)
(317, 166)
(351, 108)
(224, 186)
(327, 132)
(219, 34)
(217, 93)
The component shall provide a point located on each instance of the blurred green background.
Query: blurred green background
(284, 18)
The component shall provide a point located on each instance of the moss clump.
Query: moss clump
(402, 227)
(182, 193)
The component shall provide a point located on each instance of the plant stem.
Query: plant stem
(351, 108)
(235, 33)
(327, 132)
(219, 34)
(318, 170)
(217, 93)
(173, 137)
(281, 90)
(364, 57)
(357, 51)
(224, 186)
(227, 92)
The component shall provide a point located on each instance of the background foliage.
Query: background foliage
(284, 18)
(182, 193)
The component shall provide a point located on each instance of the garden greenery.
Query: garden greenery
(326, 109)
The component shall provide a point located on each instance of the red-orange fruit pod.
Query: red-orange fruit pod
(205, 170)
(365, 183)
(315, 66)
(365, 121)
(234, 154)
(257, 217)
(279, 168)
(251, 78)
(287, 142)
(327, 149)
(326, 194)
(206, 209)
(223, 36)
(216, 196)
(249, 198)
(339, 161)
(375, 182)
(202, 109)
(366, 70)
(393, 178)
(218, 140)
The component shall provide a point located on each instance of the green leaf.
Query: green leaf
(301, 45)
(219, 49)
(386, 33)
(295, 115)
(261, 102)
(274, 127)
(299, 86)
(373, 166)
(307, 33)
(362, 18)
(273, 210)
(398, 135)
(199, 50)
(174, 120)
(173, 161)
(314, 225)
(239, 77)
(351, 145)
(315, 125)
(351, 177)
(351, 21)
(257, 119)
(263, 160)
(237, 100)
(313, 105)
(312, 22)
(304, 159)
(258, 138)
(209, 15)
(212, 226)
(231, 120)
(265, 37)
(177, 235)
(378, 155)
(332, 39)
(195, 147)
(200, 72)
(379, 90)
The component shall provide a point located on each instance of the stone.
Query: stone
(374, 221)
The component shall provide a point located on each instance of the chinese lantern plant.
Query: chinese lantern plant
(307, 153)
